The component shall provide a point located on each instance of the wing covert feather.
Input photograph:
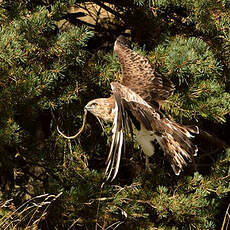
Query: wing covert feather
(139, 75)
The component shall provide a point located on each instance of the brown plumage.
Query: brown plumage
(139, 76)
(131, 107)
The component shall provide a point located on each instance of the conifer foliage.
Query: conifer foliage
(53, 61)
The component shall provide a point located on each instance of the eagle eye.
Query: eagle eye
(94, 104)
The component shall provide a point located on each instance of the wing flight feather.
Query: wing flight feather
(132, 110)
(139, 75)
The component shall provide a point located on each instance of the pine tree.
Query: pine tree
(53, 62)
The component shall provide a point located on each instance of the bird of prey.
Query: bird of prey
(132, 107)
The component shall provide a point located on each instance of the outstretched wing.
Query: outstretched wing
(139, 75)
(122, 123)
(133, 112)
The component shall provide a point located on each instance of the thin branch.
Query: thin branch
(226, 219)
(107, 8)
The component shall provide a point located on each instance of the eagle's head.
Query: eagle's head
(102, 108)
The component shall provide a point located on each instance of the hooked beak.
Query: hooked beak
(88, 107)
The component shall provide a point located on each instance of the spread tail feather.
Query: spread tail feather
(177, 144)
